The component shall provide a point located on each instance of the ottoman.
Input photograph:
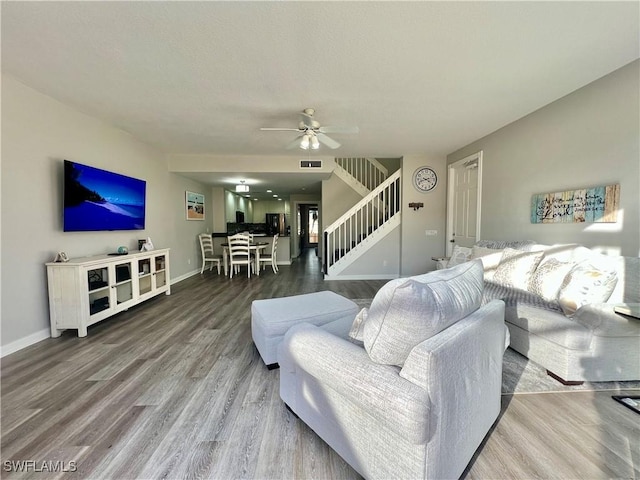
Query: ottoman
(271, 318)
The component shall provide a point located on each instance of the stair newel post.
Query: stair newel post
(398, 195)
(325, 252)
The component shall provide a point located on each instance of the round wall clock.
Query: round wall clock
(425, 179)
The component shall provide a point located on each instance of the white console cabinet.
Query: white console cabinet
(85, 290)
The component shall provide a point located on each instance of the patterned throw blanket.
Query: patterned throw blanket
(513, 297)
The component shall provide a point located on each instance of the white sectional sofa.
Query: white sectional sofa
(561, 314)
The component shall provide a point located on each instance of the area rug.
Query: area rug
(520, 375)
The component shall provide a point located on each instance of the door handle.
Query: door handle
(453, 240)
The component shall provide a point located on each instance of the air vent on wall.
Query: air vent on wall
(310, 163)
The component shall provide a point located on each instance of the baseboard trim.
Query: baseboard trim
(36, 337)
(24, 342)
(184, 277)
(383, 276)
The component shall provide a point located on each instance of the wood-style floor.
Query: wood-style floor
(174, 389)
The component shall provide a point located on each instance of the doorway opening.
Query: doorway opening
(308, 226)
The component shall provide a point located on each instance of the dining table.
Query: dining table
(256, 247)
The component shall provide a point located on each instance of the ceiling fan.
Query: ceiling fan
(311, 134)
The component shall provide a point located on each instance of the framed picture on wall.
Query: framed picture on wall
(194, 206)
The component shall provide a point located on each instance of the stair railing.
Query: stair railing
(368, 171)
(364, 218)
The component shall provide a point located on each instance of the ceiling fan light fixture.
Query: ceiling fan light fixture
(311, 134)
(242, 188)
(306, 140)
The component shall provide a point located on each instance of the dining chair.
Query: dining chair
(239, 253)
(208, 256)
(266, 258)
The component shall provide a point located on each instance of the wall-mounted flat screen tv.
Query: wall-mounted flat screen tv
(96, 199)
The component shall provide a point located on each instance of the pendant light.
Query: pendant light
(242, 188)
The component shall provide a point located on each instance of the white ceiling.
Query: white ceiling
(417, 77)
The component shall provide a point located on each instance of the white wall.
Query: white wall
(37, 134)
(391, 164)
(337, 198)
(218, 219)
(417, 249)
(236, 203)
(381, 261)
(588, 138)
(277, 165)
(262, 207)
(407, 251)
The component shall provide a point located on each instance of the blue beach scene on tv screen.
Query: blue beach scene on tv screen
(96, 199)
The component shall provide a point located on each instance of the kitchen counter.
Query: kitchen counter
(225, 235)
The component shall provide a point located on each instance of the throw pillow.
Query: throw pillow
(490, 259)
(459, 255)
(586, 284)
(548, 278)
(407, 311)
(356, 334)
(516, 267)
(478, 252)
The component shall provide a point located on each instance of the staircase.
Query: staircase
(362, 174)
(370, 220)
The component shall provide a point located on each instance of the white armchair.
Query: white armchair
(424, 418)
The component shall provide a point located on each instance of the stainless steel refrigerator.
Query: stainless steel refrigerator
(276, 223)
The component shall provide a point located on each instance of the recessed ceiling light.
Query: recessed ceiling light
(280, 199)
(269, 191)
(248, 196)
(275, 196)
(256, 199)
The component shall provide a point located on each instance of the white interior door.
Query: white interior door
(463, 202)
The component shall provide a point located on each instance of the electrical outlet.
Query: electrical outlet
(431, 233)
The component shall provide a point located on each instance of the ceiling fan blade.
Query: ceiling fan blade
(278, 129)
(328, 141)
(339, 130)
(294, 144)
